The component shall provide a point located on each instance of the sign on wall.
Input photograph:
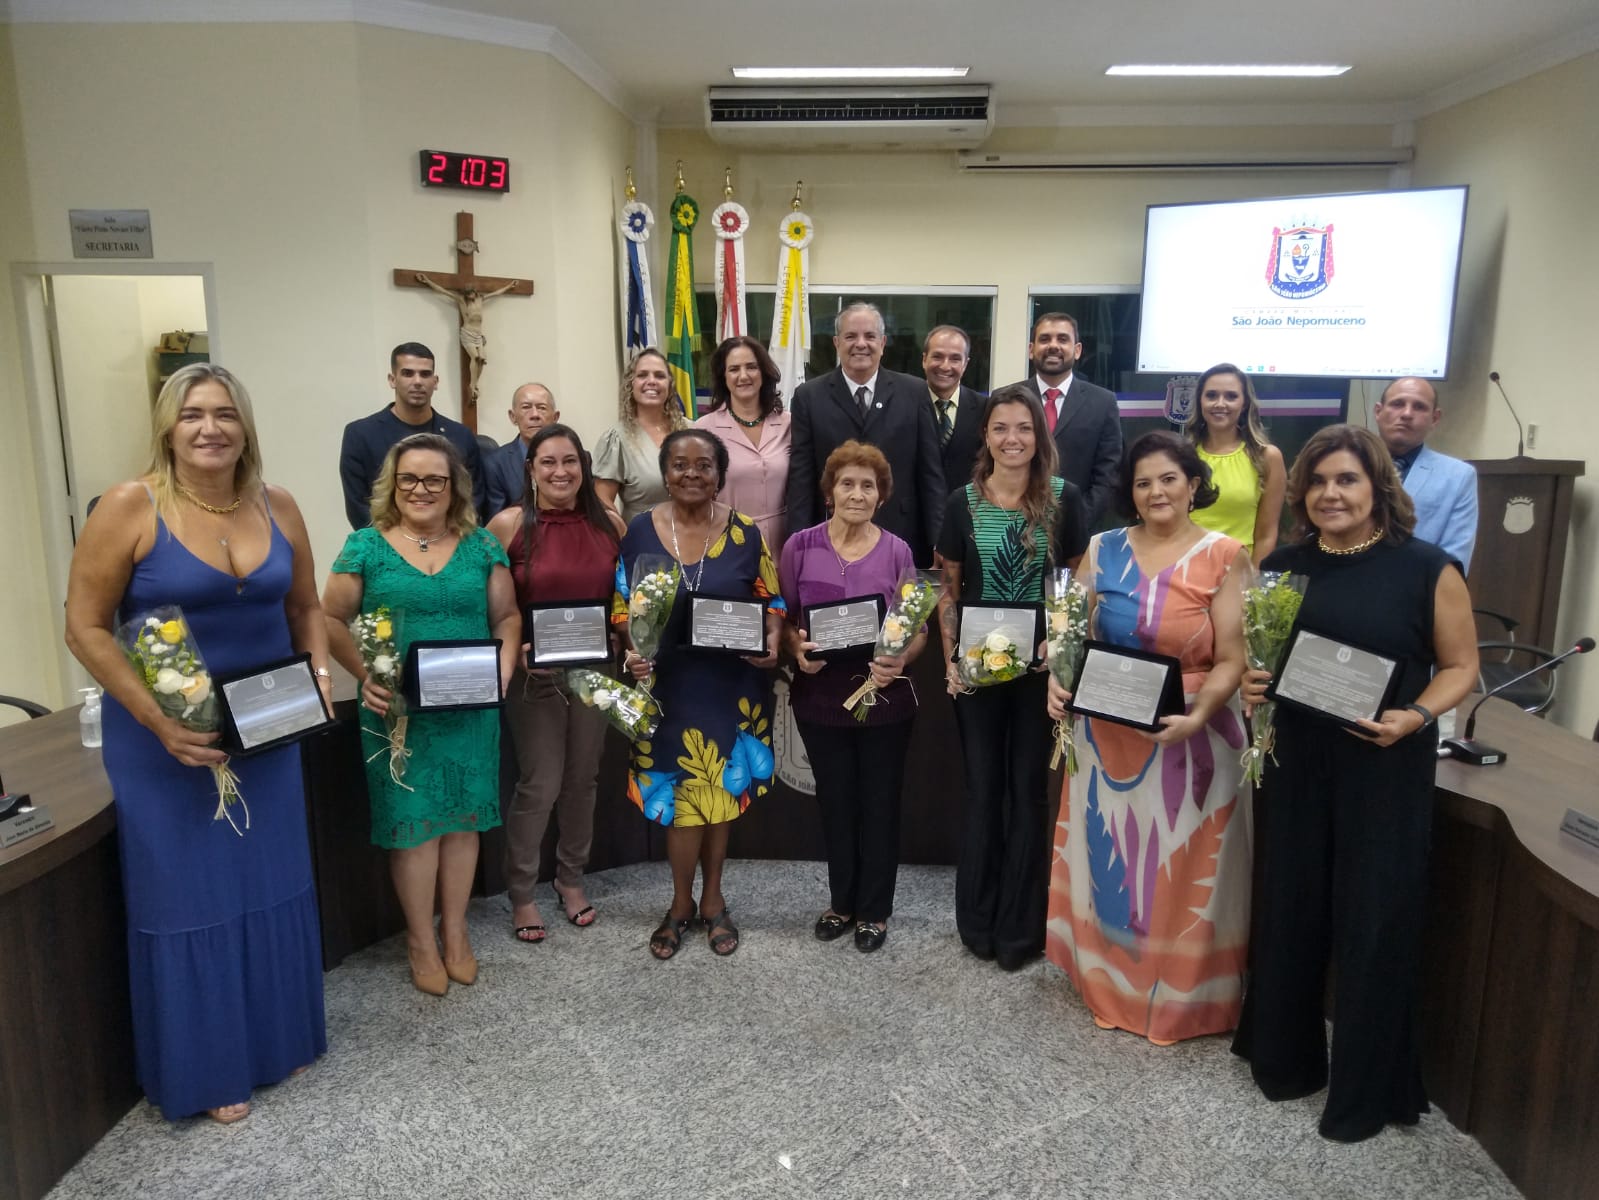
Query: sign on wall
(111, 233)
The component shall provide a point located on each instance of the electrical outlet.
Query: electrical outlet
(1532, 436)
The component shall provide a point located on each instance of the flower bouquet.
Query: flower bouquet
(632, 710)
(1271, 605)
(374, 638)
(164, 654)
(649, 603)
(994, 659)
(1066, 628)
(914, 601)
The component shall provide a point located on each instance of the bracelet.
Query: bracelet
(322, 672)
(1426, 716)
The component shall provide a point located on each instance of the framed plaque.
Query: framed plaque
(1020, 625)
(1334, 679)
(269, 706)
(444, 675)
(728, 624)
(576, 633)
(845, 628)
(1130, 687)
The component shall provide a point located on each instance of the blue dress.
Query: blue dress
(224, 942)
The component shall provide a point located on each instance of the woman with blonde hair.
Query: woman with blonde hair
(219, 926)
(627, 474)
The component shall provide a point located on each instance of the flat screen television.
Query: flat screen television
(1354, 285)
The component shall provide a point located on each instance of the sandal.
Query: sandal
(668, 936)
(227, 1114)
(583, 917)
(722, 933)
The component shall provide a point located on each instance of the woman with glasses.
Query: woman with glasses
(442, 577)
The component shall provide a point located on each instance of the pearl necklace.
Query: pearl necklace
(1365, 545)
(222, 511)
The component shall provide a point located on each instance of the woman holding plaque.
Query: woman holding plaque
(224, 957)
(425, 560)
(747, 414)
(562, 543)
(627, 474)
(1348, 812)
(1149, 893)
(859, 764)
(1245, 468)
(712, 753)
(1003, 533)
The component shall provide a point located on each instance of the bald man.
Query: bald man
(1443, 489)
(532, 408)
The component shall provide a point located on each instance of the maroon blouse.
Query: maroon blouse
(572, 560)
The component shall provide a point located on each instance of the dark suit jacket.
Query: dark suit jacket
(505, 476)
(1088, 439)
(960, 453)
(900, 424)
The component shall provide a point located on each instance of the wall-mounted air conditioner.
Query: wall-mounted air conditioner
(911, 118)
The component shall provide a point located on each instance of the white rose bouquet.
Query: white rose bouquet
(164, 654)
(914, 601)
(374, 638)
(650, 602)
(995, 659)
(632, 710)
(1066, 629)
(1271, 606)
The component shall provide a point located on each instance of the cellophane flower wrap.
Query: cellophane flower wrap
(1271, 605)
(164, 653)
(649, 605)
(994, 659)
(915, 597)
(374, 634)
(632, 710)
(1065, 631)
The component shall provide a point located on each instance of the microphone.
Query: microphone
(1521, 437)
(1478, 754)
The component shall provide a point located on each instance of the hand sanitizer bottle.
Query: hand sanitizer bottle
(89, 718)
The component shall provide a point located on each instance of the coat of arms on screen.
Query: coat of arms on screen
(1301, 262)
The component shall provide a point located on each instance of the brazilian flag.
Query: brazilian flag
(682, 325)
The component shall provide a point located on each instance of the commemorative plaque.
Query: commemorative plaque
(269, 706)
(735, 625)
(1129, 687)
(573, 634)
(846, 628)
(444, 675)
(1334, 679)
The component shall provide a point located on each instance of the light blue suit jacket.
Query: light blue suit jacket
(1444, 491)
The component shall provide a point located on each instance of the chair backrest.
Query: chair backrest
(1500, 662)
(34, 711)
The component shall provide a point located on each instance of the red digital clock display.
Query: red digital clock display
(471, 172)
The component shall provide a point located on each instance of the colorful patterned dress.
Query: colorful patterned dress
(713, 751)
(1149, 891)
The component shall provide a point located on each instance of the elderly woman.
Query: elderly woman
(859, 766)
(425, 558)
(1245, 468)
(219, 926)
(563, 545)
(747, 414)
(627, 473)
(1003, 533)
(1348, 813)
(1149, 894)
(712, 753)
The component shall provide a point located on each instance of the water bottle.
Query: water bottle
(89, 718)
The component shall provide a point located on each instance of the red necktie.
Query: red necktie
(1051, 399)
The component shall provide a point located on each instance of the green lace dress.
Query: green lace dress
(453, 772)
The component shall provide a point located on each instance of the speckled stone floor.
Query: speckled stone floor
(582, 1068)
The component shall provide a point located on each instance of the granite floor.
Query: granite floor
(581, 1068)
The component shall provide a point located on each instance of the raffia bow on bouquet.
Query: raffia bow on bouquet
(374, 634)
(914, 601)
(1065, 631)
(1271, 605)
(169, 664)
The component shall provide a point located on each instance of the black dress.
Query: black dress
(1345, 830)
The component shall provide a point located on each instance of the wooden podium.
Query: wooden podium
(1523, 523)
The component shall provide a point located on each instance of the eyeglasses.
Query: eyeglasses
(432, 484)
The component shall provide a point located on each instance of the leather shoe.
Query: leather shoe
(830, 926)
(434, 983)
(463, 971)
(870, 936)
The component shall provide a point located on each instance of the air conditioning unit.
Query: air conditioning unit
(913, 118)
(1161, 162)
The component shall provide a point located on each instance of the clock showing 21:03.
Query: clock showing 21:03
(469, 172)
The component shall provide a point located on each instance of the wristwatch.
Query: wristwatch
(1426, 716)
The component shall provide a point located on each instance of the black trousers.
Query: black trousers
(1002, 878)
(859, 772)
(1346, 831)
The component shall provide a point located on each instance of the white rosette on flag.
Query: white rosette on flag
(791, 325)
(638, 310)
(730, 221)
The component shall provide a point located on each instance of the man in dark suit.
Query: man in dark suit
(532, 408)
(1083, 417)
(957, 410)
(885, 408)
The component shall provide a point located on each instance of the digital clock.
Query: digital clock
(470, 172)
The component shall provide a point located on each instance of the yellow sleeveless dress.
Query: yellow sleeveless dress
(1234, 511)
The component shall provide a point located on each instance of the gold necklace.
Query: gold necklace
(225, 510)
(1322, 545)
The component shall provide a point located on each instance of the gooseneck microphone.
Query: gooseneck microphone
(1521, 437)
(1478, 754)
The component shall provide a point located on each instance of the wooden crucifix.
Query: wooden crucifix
(468, 291)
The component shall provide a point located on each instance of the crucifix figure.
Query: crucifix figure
(468, 291)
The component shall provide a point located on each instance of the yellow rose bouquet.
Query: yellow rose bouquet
(995, 659)
(914, 601)
(163, 652)
(650, 601)
(632, 710)
(1065, 631)
(374, 638)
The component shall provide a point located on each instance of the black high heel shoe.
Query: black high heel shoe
(576, 918)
